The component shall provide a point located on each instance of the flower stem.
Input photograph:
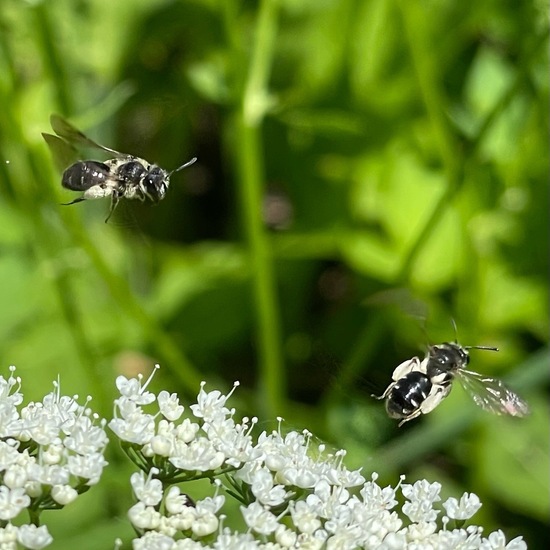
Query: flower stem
(249, 159)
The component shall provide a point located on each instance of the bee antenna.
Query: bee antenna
(453, 322)
(188, 163)
(426, 336)
(489, 348)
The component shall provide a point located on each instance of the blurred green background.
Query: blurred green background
(369, 171)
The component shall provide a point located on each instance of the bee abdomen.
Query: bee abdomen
(80, 176)
(408, 394)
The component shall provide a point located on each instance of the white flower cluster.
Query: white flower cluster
(49, 453)
(290, 499)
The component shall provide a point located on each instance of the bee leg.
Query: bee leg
(80, 199)
(114, 201)
(416, 413)
(437, 394)
(385, 394)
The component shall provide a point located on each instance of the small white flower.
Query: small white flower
(135, 428)
(152, 540)
(233, 440)
(33, 537)
(205, 524)
(497, 541)
(33, 489)
(15, 476)
(344, 538)
(184, 519)
(186, 431)
(285, 537)
(457, 538)
(159, 445)
(378, 498)
(85, 438)
(12, 502)
(169, 405)
(469, 504)
(63, 494)
(175, 501)
(39, 425)
(211, 406)
(7, 387)
(147, 490)
(8, 536)
(88, 467)
(53, 474)
(259, 518)
(198, 455)
(132, 389)
(311, 542)
(235, 541)
(300, 477)
(264, 490)
(210, 504)
(421, 530)
(52, 454)
(421, 496)
(338, 474)
(9, 454)
(331, 502)
(144, 517)
(187, 544)
(422, 490)
(304, 518)
(167, 527)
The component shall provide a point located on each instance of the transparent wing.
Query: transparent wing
(63, 153)
(75, 137)
(492, 394)
(403, 300)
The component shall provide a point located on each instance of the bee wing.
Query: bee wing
(64, 154)
(491, 394)
(403, 300)
(72, 135)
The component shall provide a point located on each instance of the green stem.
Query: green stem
(415, 31)
(451, 155)
(249, 159)
(53, 58)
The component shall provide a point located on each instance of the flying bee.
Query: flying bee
(121, 177)
(418, 387)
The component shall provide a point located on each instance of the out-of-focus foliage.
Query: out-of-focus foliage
(368, 171)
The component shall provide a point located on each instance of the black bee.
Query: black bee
(418, 387)
(122, 177)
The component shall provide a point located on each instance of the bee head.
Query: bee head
(156, 183)
(446, 358)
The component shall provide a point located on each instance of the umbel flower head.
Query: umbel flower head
(50, 452)
(289, 498)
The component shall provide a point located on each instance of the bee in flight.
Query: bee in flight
(121, 177)
(418, 387)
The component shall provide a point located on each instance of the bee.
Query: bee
(121, 177)
(418, 387)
